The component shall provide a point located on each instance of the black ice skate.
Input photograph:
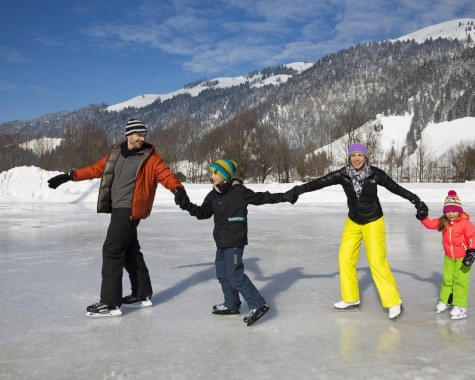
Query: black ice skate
(255, 314)
(100, 309)
(221, 309)
(133, 301)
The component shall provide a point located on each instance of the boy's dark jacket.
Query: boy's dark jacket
(229, 207)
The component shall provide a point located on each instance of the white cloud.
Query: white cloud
(218, 36)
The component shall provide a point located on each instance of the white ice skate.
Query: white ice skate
(342, 305)
(395, 312)
(458, 312)
(441, 307)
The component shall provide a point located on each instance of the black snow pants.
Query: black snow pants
(121, 249)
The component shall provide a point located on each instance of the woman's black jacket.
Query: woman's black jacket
(367, 208)
(229, 207)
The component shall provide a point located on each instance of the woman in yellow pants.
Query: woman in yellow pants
(365, 222)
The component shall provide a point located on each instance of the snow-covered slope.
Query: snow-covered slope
(256, 80)
(392, 131)
(41, 145)
(454, 29)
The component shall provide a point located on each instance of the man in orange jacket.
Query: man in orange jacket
(129, 176)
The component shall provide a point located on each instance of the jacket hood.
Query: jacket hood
(463, 215)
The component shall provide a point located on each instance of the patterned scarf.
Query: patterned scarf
(358, 177)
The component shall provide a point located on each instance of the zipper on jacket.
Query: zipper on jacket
(450, 240)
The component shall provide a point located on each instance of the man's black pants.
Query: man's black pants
(121, 249)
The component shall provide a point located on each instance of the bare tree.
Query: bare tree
(462, 159)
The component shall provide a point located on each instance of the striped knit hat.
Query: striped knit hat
(452, 202)
(135, 126)
(224, 168)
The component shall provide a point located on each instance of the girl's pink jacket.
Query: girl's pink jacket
(458, 236)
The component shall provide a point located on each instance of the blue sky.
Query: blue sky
(64, 55)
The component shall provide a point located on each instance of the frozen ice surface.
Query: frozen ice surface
(50, 263)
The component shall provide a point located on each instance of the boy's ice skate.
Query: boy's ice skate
(255, 314)
(395, 312)
(441, 307)
(133, 301)
(342, 305)
(458, 312)
(221, 309)
(100, 309)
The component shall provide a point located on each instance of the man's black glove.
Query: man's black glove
(55, 181)
(422, 211)
(469, 257)
(291, 196)
(181, 198)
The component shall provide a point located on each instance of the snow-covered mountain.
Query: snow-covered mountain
(433, 82)
(461, 29)
(255, 80)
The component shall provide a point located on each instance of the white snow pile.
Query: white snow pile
(454, 29)
(29, 184)
(256, 80)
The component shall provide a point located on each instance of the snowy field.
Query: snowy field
(50, 271)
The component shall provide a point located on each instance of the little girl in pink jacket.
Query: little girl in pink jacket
(458, 240)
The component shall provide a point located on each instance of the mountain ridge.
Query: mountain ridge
(433, 80)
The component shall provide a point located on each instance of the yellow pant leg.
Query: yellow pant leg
(374, 236)
(347, 259)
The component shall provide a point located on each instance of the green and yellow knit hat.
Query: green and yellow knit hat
(224, 168)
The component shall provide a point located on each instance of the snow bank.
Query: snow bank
(29, 184)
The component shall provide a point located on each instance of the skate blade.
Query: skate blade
(114, 313)
(349, 308)
(138, 305)
(259, 316)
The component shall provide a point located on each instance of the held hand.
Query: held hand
(291, 196)
(469, 257)
(55, 181)
(181, 198)
(422, 210)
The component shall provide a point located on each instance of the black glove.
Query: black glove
(422, 211)
(55, 181)
(469, 257)
(181, 198)
(291, 196)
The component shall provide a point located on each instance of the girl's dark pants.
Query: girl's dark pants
(230, 274)
(121, 249)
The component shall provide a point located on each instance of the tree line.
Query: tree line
(262, 152)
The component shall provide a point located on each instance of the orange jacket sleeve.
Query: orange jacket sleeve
(91, 171)
(164, 175)
(469, 233)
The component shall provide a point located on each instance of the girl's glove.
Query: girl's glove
(469, 257)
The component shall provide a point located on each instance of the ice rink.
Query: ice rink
(50, 271)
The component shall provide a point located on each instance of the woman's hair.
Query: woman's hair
(443, 223)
